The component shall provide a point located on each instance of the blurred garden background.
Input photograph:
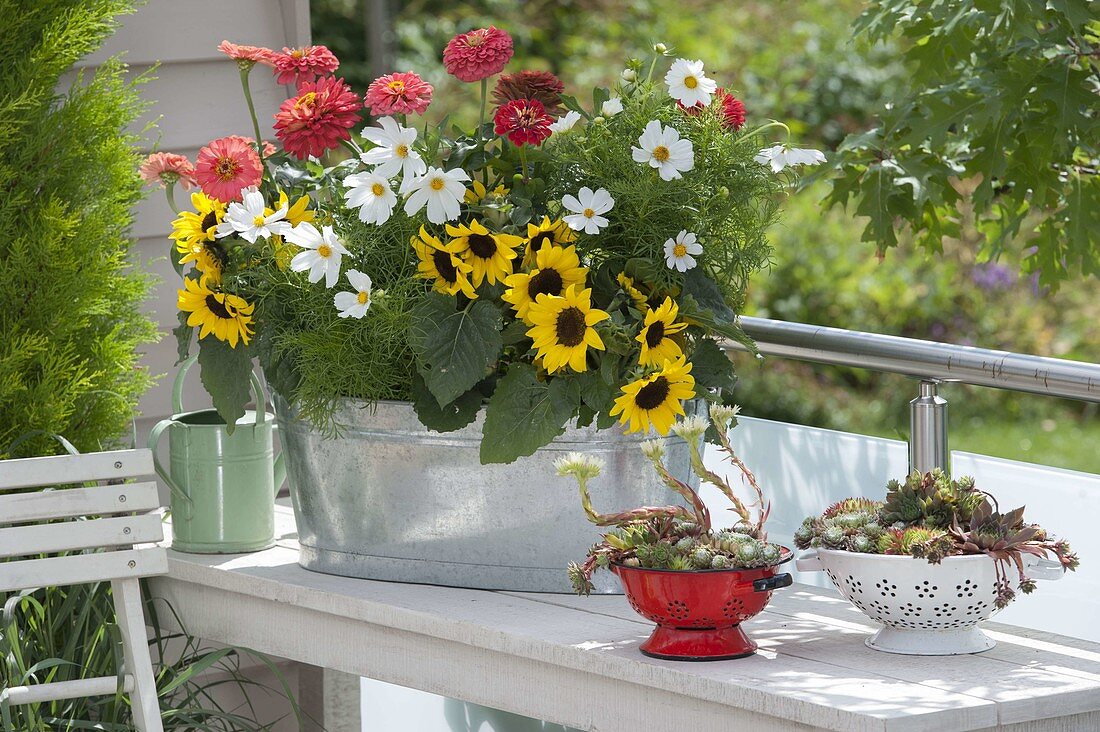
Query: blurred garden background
(793, 60)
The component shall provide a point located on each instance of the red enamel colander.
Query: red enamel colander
(699, 614)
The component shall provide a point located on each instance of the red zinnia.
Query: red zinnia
(731, 109)
(298, 65)
(478, 54)
(524, 121)
(247, 55)
(226, 166)
(318, 118)
(168, 168)
(398, 93)
(539, 85)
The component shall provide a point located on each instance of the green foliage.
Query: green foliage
(455, 348)
(70, 323)
(525, 414)
(1000, 94)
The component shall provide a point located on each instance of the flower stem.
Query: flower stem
(252, 112)
(170, 193)
(484, 101)
(523, 161)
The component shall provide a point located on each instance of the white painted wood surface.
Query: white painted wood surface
(69, 502)
(574, 661)
(40, 471)
(74, 535)
(38, 693)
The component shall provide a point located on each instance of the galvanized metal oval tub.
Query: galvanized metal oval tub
(390, 500)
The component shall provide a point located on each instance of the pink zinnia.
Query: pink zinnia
(299, 65)
(524, 121)
(478, 54)
(226, 166)
(168, 169)
(247, 55)
(398, 93)
(318, 118)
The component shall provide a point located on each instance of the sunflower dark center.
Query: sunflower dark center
(483, 246)
(653, 394)
(444, 265)
(546, 282)
(210, 219)
(217, 253)
(217, 307)
(654, 334)
(570, 327)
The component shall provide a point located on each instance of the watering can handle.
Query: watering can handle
(257, 389)
(152, 444)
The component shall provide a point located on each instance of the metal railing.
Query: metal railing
(932, 363)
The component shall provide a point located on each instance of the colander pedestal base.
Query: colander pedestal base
(954, 642)
(698, 644)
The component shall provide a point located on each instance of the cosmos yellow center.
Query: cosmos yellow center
(363, 298)
(377, 189)
(660, 153)
(679, 250)
(691, 82)
(258, 221)
(396, 86)
(402, 151)
(437, 184)
(325, 251)
(589, 213)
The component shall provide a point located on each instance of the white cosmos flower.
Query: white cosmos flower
(687, 83)
(611, 107)
(566, 122)
(679, 251)
(372, 195)
(354, 304)
(394, 152)
(587, 207)
(662, 148)
(247, 218)
(441, 190)
(323, 250)
(781, 156)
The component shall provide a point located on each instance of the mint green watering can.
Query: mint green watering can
(223, 485)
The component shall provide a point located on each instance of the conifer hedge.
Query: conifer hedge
(70, 319)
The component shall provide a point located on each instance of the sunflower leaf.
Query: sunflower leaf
(450, 417)
(454, 347)
(183, 333)
(226, 373)
(525, 414)
(711, 367)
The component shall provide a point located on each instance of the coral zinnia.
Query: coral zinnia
(298, 65)
(538, 85)
(398, 93)
(168, 169)
(247, 56)
(732, 109)
(227, 166)
(478, 54)
(318, 118)
(524, 121)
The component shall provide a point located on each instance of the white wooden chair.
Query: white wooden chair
(123, 520)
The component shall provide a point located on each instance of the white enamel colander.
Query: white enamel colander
(925, 609)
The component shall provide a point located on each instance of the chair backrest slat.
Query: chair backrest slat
(71, 502)
(117, 531)
(77, 569)
(46, 471)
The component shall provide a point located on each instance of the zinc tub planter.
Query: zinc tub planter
(925, 609)
(388, 499)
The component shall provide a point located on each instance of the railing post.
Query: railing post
(928, 430)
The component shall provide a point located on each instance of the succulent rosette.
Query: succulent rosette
(553, 262)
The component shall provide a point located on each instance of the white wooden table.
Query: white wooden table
(575, 661)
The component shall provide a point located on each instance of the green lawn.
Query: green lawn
(1061, 443)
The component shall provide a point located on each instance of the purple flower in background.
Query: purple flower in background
(991, 276)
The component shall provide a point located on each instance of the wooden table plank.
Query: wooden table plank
(544, 655)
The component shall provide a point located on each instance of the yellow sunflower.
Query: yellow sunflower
(477, 192)
(555, 232)
(556, 268)
(490, 254)
(228, 317)
(655, 400)
(657, 344)
(563, 329)
(297, 213)
(440, 263)
(641, 302)
(194, 234)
